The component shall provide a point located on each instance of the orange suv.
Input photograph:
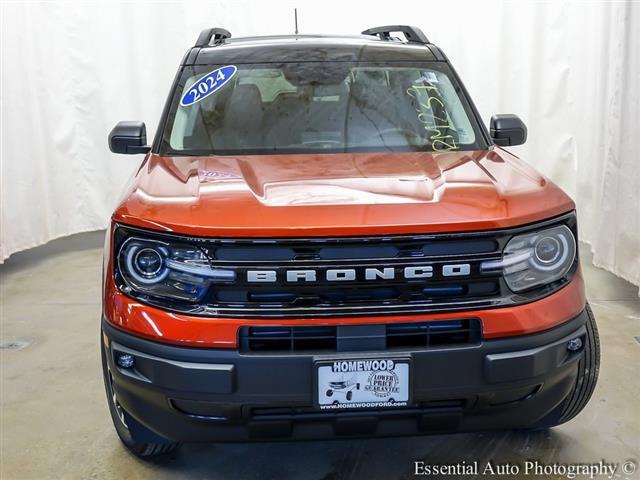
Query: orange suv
(324, 241)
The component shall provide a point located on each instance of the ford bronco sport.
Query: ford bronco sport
(324, 241)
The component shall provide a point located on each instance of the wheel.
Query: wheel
(588, 368)
(120, 419)
(349, 395)
(329, 393)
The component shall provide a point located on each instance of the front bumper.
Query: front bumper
(196, 394)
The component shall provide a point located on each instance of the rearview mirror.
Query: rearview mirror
(129, 138)
(508, 130)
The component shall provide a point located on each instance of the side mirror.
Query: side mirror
(129, 138)
(508, 130)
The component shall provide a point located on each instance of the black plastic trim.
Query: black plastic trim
(272, 396)
(508, 130)
(413, 34)
(129, 137)
(218, 35)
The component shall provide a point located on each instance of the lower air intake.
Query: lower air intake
(397, 336)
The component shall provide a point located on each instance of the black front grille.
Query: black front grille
(339, 282)
(393, 336)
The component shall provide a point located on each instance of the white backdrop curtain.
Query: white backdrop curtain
(71, 70)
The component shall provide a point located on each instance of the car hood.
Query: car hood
(338, 194)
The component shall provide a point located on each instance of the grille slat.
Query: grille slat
(361, 249)
(328, 296)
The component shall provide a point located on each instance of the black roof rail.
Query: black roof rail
(217, 35)
(413, 34)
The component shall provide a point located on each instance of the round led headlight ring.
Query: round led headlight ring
(550, 252)
(547, 250)
(146, 263)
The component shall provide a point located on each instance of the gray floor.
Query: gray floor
(55, 422)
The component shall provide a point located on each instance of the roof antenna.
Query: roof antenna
(295, 16)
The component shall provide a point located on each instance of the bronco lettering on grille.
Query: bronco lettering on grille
(354, 274)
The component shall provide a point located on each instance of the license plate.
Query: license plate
(363, 383)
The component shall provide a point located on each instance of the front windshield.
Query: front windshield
(316, 107)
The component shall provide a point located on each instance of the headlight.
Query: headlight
(167, 270)
(536, 258)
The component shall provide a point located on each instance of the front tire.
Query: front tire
(120, 419)
(588, 368)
